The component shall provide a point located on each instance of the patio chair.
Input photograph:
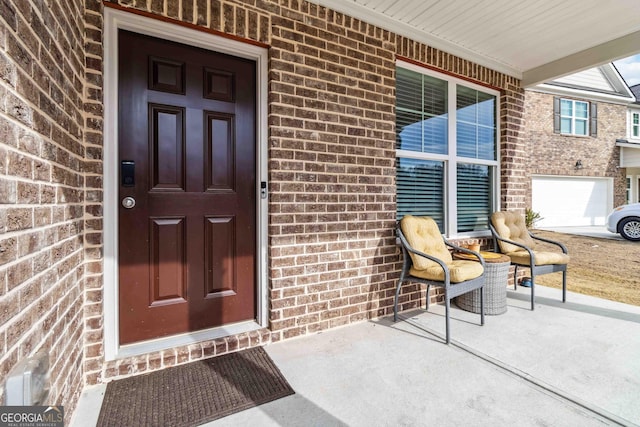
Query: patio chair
(512, 238)
(427, 260)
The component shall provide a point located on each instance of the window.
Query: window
(446, 145)
(573, 117)
(635, 125)
(628, 198)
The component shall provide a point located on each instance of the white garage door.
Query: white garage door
(569, 201)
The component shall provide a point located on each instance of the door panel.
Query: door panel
(166, 125)
(219, 140)
(187, 248)
(169, 284)
(219, 258)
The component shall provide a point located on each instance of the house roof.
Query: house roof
(603, 83)
(635, 89)
(534, 40)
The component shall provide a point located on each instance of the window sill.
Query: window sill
(576, 136)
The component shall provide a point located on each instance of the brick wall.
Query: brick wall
(94, 111)
(41, 189)
(331, 245)
(332, 253)
(555, 154)
(331, 167)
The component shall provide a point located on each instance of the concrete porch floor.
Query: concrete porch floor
(573, 364)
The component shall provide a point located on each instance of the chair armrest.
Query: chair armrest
(553, 242)
(466, 251)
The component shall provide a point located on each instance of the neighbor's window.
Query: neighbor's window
(446, 141)
(635, 125)
(573, 117)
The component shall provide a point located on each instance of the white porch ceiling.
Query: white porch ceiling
(535, 40)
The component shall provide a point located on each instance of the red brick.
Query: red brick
(331, 170)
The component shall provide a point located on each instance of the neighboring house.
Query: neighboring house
(572, 127)
(183, 179)
(630, 149)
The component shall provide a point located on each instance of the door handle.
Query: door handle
(128, 202)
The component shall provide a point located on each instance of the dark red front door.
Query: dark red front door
(187, 138)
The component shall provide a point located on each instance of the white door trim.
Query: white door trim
(113, 21)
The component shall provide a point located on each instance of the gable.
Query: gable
(602, 83)
(593, 79)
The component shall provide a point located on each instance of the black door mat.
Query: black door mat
(194, 393)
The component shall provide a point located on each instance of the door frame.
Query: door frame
(113, 21)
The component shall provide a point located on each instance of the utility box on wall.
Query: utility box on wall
(28, 382)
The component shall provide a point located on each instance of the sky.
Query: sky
(630, 69)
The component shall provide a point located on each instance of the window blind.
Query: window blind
(473, 197)
(420, 189)
(421, 113)
(454, 186)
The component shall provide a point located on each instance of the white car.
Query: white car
(625, 220)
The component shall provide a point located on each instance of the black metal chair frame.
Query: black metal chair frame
(451, 290)
(535, 269)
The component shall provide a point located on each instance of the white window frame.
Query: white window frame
(574, 118)
(451, 159)
(632, 126)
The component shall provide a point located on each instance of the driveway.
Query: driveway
(599, 231)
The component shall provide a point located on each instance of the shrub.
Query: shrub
(531, 217)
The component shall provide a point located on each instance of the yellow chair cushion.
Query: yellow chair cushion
(511, 226)
(541, 257)
(423, 234)
(459, 271)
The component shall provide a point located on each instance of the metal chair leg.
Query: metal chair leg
(482, 305)
(395, 300)
(395, 303)
(533, 288)
(428, 297)
(447, 305)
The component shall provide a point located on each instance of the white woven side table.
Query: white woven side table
(495, 287)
